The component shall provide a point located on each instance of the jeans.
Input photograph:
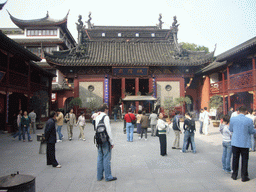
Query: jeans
(153, 130)
(59, 132)
(191, 136)
(18, 133)
(201, 127)
(26, 129)
(253, 142)
(115, 117)
(103, 162)
(226, 156)
(129, 131)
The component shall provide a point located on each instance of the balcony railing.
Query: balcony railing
(237, 81)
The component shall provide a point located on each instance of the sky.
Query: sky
(226, 23)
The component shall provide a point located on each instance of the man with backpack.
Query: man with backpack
(189, 127)
(105, 144)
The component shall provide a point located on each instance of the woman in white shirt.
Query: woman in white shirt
(161, 127)
(81, 124)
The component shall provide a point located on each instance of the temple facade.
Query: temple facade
(123, 64)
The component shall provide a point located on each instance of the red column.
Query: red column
(29, 83)
(150, 85)
(223, 93)
(110, 94)
(205, 93)
(227, 88)
(137, 88)
(123, 88)
(182, 87)
(76, 87)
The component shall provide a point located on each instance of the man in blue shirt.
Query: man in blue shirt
(242, 128)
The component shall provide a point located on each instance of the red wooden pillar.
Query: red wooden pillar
(206, 93)
(150, 85)
(137, 88)
(254, 83)
(223, 93)
(50, 95)
(229, 103)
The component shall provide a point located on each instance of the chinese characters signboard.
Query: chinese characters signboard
(130, 71)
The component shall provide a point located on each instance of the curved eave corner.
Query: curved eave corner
(38, 22)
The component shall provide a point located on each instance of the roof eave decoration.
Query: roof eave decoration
(2, 5)
(46, 21)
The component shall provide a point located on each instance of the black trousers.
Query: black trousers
(162, 139)
(244, 152)
(50, 155)
(144, 130)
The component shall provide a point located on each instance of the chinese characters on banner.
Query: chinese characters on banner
(106, 90)
(130, 71)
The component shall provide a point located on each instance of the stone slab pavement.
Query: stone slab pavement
(137, 165)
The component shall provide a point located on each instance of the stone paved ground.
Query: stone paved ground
(137, 165)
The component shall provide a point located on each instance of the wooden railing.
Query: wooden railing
(237, 81)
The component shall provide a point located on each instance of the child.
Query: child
(226, 142)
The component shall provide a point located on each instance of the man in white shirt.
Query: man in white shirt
(104, 150)
(206, 115)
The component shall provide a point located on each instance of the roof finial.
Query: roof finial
(160, 21)
(90, 25)
(47, 14)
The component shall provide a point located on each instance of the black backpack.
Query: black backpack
(192, 126)
(101, 135)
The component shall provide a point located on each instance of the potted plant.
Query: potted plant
(216, 103)
(169, 106)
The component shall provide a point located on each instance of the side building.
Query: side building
(129, 65)
(23, 84)
(232, 76)
(45, 35)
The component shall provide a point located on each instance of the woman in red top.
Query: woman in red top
(129, 118)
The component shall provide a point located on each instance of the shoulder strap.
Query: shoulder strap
(130, 116)
(102, 119)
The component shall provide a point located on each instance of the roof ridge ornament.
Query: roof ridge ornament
(90, 25)
(160, 25)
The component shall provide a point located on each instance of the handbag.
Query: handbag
(133, 121)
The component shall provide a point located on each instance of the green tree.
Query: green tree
(194, 47)
(182, 101)
(169, 106)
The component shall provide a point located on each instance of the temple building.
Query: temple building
(44, 35)
(126, 64)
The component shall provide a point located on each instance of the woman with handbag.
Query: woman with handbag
(161, 128)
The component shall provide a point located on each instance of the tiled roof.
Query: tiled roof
(237, 50)
(28, 41)
(212, 66)
(13, 47)
(107, 53)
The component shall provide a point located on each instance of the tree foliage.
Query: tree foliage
(194, 47)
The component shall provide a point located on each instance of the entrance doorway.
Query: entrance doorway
(116, 92)
(130, 86)
(143, 86)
